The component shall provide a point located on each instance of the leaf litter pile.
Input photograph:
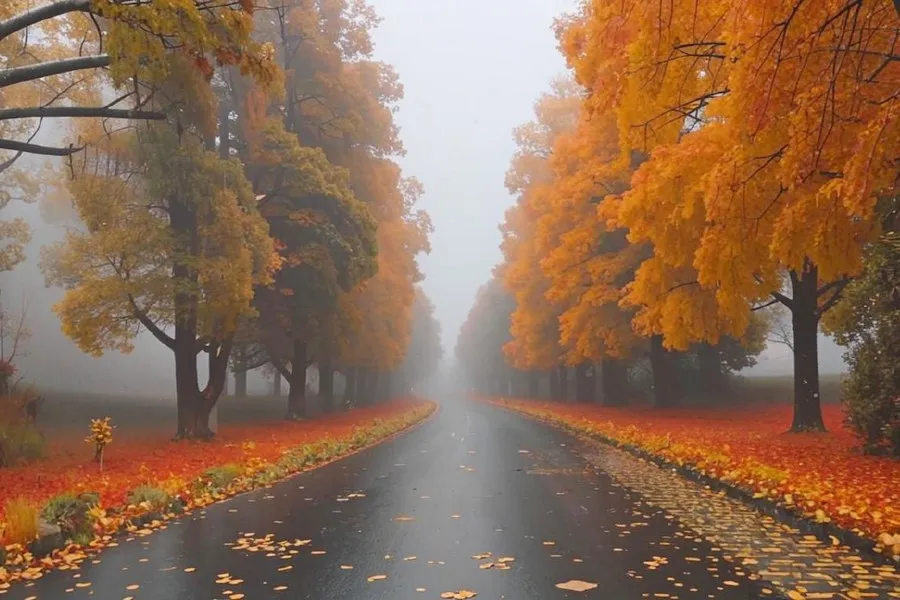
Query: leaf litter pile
(823, 476)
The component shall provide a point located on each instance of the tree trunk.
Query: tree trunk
(805, 323)
(296, 404)
(712, 384)
(584, 383)
(554, 384)
(564, 383)
(372, 386)
(386, 391)
(350, 377)
(665, 386)
(276, 384)
(240, 384)
(613, 382)
(185, 383)
(534, 384)
(326, 386)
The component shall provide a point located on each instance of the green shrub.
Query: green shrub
(867, 322)
(220, 477)
(19, 443)
(71, 513)
(155, 498)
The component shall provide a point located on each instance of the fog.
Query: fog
(471, 72)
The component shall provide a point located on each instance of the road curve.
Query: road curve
(404, 519)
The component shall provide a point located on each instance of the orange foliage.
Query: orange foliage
(821, 474)
(70, 467)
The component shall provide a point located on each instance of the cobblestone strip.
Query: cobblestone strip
(797, 566)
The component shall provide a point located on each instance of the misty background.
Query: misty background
(471, 72)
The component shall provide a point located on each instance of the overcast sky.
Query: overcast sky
(471, 71)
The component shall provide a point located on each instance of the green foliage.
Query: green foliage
(220, 477)
(152, 497)
(72, 515)
(19, 443)
(867, 321)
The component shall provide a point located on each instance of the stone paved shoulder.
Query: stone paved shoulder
(793, 565)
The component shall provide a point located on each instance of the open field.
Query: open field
(66, 413)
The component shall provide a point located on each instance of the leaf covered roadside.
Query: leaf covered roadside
(822, 475)
(259, 454)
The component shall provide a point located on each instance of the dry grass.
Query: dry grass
(21, 521)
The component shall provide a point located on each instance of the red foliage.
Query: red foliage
(129, 463)
(822, 474)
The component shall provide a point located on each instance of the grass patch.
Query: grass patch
(21, 525)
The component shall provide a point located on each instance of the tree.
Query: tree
(172, 242)
(480, 346)
(327, 241)
(770, 130)
(424, 352)
(62, 46)
(867, 322)
(339, 99)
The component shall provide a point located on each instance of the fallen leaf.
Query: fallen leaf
(420, 589)
(402, 518)
(549, 543)
(372, 578)
(505, 559)
(576, 585)
(409, 558)
(132, 587)
(279, 588)
(317, 552)
(190, 570)
(346, 567)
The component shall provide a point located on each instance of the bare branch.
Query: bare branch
(80, 112)
(41, 13)
(148, 323)
(16, 75)
(38, 149)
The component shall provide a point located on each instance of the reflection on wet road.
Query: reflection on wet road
(476, 500)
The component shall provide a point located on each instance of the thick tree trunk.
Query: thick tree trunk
(326, 386)
(185, 383)
(296, 404)
(665, 384)
(805, 322)
(240, 384)
(613, 382)
(276, 384)
(534, 384)
(350, 377)
(712, 384)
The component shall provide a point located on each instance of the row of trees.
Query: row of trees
(245, 206)
(700, 163)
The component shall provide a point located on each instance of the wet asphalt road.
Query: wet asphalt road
(472, 480)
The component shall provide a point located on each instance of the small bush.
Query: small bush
(19, 443)
(21, 522)
(152, 498)
(72, 514)
(220, 477)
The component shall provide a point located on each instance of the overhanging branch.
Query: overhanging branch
(38, 148)
(152, 327)
(100, 112)
(16, 75)
(41, 13)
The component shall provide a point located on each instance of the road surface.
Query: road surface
(404, 520)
